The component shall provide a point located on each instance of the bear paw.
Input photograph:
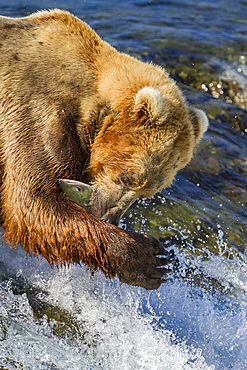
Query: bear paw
(145, 263)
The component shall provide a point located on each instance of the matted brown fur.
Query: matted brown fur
(71, 106)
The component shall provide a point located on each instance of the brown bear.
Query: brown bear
(72, 106)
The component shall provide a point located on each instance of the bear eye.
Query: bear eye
(124, 179)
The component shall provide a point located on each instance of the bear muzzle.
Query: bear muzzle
(110, 206)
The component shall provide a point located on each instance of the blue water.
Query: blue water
(69, 319)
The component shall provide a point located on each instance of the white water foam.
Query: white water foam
(118, 326)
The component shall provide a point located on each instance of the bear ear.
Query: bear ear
(150, 105)
(199, 121)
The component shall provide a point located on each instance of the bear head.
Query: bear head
(139, 150)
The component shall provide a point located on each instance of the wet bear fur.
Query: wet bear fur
(72, 106)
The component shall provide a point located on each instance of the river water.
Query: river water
(69, 319)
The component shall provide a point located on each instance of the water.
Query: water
(69, 319)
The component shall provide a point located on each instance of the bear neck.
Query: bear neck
(121, 76)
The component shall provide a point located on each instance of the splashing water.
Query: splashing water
(113, 326)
